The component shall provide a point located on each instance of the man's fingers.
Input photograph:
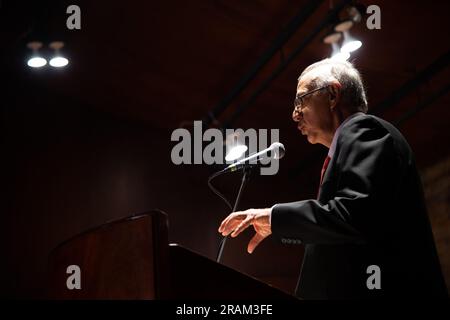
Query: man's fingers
(235, 215)
(225, 221)
(230, 226)
(254, 242)
(242, 226)
(238, 221)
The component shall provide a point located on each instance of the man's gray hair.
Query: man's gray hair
(352, 90)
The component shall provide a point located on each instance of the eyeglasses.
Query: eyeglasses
(299, 100)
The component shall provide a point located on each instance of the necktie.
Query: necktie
(322, 173)
(324, 168)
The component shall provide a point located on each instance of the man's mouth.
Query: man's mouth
(301, 128)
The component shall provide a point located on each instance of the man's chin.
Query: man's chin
(310, 139)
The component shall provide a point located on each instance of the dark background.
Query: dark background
(91, 143)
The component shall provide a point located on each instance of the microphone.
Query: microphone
(278, 152)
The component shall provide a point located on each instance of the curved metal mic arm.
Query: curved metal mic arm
(217, 192)
(221, 172)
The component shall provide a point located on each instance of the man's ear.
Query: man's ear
(335, 93)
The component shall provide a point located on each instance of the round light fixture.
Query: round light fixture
(344, 25)
(36, 61)
(332, 37)
(350, 44)
(236, 152)
(58, 61)
(343, 56)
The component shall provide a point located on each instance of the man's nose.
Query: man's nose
(296, 115)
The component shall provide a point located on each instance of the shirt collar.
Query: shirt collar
(336, 134)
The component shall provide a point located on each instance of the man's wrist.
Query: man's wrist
(270, 214)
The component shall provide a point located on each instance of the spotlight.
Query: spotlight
(343, 56)
(350, 44)
(36, 61)
(354, 12)
(58, 60)
(339, 54)
(236, 152)
(332, 39)
(344, 25)
(235, 146)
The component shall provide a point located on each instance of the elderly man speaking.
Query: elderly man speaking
(367, 234)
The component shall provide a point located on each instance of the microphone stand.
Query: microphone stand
(245, 177)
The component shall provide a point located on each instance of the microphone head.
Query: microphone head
(278, 149)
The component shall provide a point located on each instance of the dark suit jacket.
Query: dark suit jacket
(370, 211)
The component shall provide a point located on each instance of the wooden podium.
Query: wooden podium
(132, 259)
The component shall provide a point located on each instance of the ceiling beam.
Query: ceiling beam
(278, 43)
(285, 62)
(422, 105)
(439, 64)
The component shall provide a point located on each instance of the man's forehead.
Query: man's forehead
(305, 80)
(304, 83)
(301, 86)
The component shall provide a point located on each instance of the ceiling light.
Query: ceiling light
(235, 146)
(35, 60)
(354, 12)
(343, 56)
(332, 37)
(344, 25)
(236, 152)
(338, 54)
(58, 60)
(350, 44)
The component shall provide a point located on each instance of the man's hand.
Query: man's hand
(238, 221)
